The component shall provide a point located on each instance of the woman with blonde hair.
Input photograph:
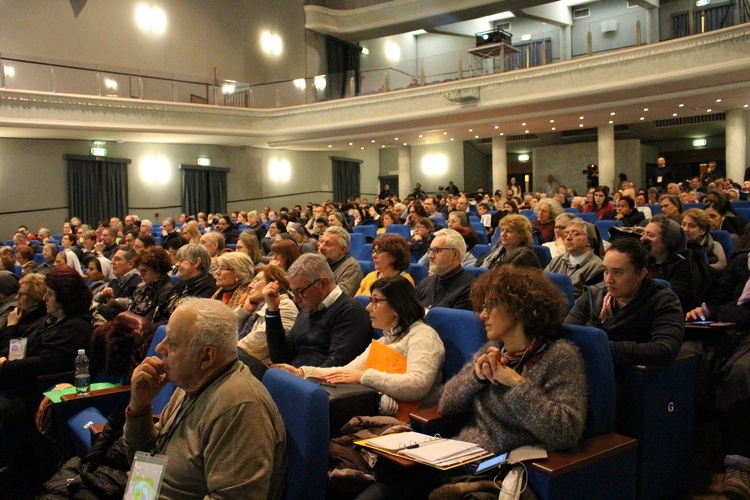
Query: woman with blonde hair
(513, 246)
(191, 232)
(248, 244)
(234, 273)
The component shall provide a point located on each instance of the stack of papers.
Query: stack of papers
(430, 450)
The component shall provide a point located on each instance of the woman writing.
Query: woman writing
(391, 256)
(525, 385)
(395, 308)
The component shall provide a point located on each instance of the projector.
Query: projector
(492, 36)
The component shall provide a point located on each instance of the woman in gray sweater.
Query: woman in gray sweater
(524, 386)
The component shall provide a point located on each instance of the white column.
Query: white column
(606, 155)
(404, 171)
(499, 164)
(652, 25)
(566, 43)
(736, 141)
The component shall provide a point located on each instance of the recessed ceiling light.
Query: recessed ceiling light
(420, 136)
(745, 106)
(718, 100)
(497, 127)
(580, 125)
(501, 133)
(526, 132)
(674, 114)
(362, 148)
(404, 144)
(330, 146)
(428, 142)
(611, 122)
(612, 113)
(351, 144)
(445, 133)
(476, 137)
(682, 105)
(373, 141)
(523, 124)
(382, 146)
(708, 110)
(395, 138)
(451, 138)
(580, 118)
(643, 117)
(552, 121)
(471, 130)
(553, 128)
(645, 109)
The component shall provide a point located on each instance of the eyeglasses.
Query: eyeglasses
(436, 250)
(224, 268)
(574, 234)
(374, 301)
(301, 293)
(378, 251)
(561, 228)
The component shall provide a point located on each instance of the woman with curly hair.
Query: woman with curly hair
(155, 288)
(525, 385)
(50, 350)
(547, 211)
(234, 273)
(285, 252)
(391, 256)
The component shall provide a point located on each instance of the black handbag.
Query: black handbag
(347, 401)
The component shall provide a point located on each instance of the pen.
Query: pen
(428, 443)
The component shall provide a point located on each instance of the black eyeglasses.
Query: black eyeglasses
(436, 250)
(301, 293)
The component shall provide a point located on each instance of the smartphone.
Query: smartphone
(490, 463)
(702, 322)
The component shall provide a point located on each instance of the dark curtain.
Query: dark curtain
(345, 179)
(530, 54)
(204, 190)
(343, 64)
(714, 18)
(97, 189)
(680, 25)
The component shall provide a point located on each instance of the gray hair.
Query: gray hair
(44, 232)
(344, 239)
(191, 252)
(554, 207)
(589, 228)
(566, 216)
(146, 222)
(53, 248)
(454, 241)
(311, 267)
(462, 216)
(401, 206)
(217, 237)
(241, 263)
(215, 324)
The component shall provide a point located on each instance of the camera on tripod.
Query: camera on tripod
(592, 175)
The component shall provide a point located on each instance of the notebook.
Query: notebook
(429, 450)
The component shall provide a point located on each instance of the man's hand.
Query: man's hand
(147, 380)
(107, 293)
(271, 296)
(699, 313)
(14, 317)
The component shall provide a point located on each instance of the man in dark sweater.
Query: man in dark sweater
(449, 285)
(331, 329)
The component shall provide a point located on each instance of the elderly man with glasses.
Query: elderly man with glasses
(449, 285)
(331, 328)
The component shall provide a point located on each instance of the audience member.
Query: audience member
(155, 288)
(8, 295)
(697, 226)
(547, 211)
(228, 229)
(513, 245)
(391, 256)
(331, 329)
(213, 241)
(49, 252)
(333, 244)
(248, 244)
(221, 429)
(306, 243)
(581, 260)
(284, 252)
(558, 247)
(234, 273)
(193, 263)
(29, 316)
(448, 285)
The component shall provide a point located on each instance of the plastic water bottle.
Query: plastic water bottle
(83, 377)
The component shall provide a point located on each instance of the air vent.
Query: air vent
(622, 128)
(503, 26)
(484, 140)
(578, 132)
(689, 120)
(522, 137)
(581, 13)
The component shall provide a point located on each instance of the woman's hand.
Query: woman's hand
(289, 368)
(249, 306)
(344, 377)
(491, 367)
(274, 262)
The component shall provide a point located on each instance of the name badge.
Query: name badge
(658, 178)
(146, 476)
(17, 349)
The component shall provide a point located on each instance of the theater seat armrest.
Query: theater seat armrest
(683, 358)
(431, 421)
(587, 452)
